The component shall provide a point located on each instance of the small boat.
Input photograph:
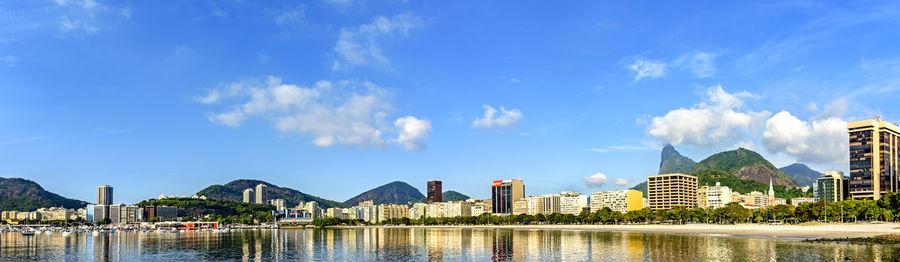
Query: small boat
(28, 233)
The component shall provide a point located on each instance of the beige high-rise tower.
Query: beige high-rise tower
(105, 195)
(874, 149)
(670, 190)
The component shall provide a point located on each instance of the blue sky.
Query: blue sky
(336, 97)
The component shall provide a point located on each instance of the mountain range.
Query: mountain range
(745, 164)
(25, 195)
(802, 174)
(234, 190)
(741, 168)
(396, 192)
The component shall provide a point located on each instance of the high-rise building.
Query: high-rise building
(434, 191)
(670, 190)
(618, 200)
(832, 186)
(714, 196)
(249, 196)
(261, 195)
(503, 193)
(105, 195)
(572, 203)
(115, 213)
(551, 204)
(874, 158)
(278, 203)
(535, 205)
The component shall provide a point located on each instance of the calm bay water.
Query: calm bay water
(425, 244)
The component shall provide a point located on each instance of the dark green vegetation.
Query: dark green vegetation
(642, 186)
(802, 174)
(745, 164)
(221, 210)
(673, 162)
(450, 196)
(396, 192)
(26, 195)
(234, 190)
(744, 186)
(886, 239)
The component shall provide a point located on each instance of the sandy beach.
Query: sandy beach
(739, 230)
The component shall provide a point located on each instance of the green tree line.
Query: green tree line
(885, 209)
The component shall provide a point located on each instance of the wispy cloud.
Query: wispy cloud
(361, 46)
(644, 68)
(700, 64)
(9, 60)
(621, 148)
(22, 140)
(505, 120)
(109, 130)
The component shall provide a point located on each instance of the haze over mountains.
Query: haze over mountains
(801, 174)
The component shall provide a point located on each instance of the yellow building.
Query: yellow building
(618, 200)
(874, 157)
(670, 190)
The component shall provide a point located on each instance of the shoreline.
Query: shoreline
(798, 232)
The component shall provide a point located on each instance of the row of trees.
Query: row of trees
(223, 211)
(885, 209)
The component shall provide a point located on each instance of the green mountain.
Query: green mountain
(673, 162)
(25, 195)
(450, 195)
(234, 190)
(801, 173)
(391, 193)
(670, 161)
(745, 164)
(744, 186)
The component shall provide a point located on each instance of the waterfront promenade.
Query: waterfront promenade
(810, 231)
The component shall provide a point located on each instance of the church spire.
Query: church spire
(771, 190)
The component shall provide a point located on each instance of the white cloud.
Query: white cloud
(825, 141)
(344, 112)
(644, 68)
(622, 182)
(701, 64)
(514, 80)
(411, 131)
(596, 180)
(360, 46)
(715, 121)
(506, 119)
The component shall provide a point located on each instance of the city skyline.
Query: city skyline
(311, 96)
